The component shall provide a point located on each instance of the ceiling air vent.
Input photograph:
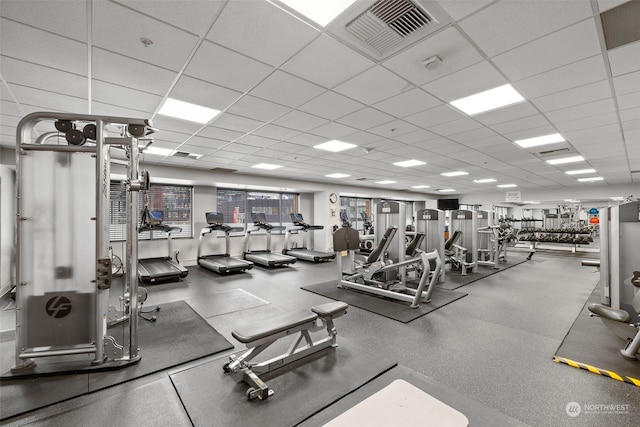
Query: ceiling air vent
(388, 26)
(362, 179)
(554, 152)
(186, 155)
(620, 25)
(225, 170)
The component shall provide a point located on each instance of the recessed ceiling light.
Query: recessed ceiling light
(593, 178)
(488, 100)
(506, 185)
(531, 202)
(483, 181)
(447, 190)
(266, 166)
(456, 173)
(337, 175)
(572, 200)
(580, 171)
(386, 182)
(617, 198)
(187, 111)
(409, 163)
(540, 140)
(321, 12)
(564, 160)
(420, 186)
(158, 151)
(334, 146)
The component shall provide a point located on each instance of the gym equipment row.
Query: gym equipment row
(619, 307)
(555, 238)
(221, 263)
(63, 254)
(582, 230)
(264, 257)
(306, 252)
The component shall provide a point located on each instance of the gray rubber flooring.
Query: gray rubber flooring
(494, 346)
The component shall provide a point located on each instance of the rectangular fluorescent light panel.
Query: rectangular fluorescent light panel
(334, 146)
(447, 190)
(484, 181)
(506, 185)
(540, 140)
(321, 12)
(531, 202)
(158, 151)
(266, 166)
(456, 173)
(409, 163)
(593, 178)
(488, 100)
(337, 175)
(421, 186)
(580, 171)
(564, 160)
(386, 182)
(187, 111)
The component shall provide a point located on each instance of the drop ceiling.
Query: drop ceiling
(284, 84)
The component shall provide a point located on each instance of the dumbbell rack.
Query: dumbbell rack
(572, 236)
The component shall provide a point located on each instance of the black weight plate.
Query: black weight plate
(89, 131)
(75, 137)
(63, 125)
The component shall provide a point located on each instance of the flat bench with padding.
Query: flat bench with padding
(257, 336)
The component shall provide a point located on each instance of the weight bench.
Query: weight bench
(258, 336)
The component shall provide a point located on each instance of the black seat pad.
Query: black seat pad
(272, 326)
(610, 313)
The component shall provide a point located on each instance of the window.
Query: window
(175, 201)
(236, 206)
(358, 210)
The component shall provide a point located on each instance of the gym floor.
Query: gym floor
(494, 346)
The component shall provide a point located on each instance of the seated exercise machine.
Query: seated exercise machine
(373, 277)
(455, 255)
(258, 336)
(496, 238)
(304, 253)
(221, 263)
(264, 257)
(621, 322)
(159, 269)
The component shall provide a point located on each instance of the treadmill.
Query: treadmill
(264, 257)
(220, 263)
(160, 269)
(304, 253)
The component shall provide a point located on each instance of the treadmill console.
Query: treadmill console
(260, 219)
(297, 219)
(156, 217)
(214, 218)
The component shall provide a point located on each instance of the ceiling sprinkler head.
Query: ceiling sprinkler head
(146, 42)
(431, 63)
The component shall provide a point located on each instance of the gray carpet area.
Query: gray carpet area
(454, 279)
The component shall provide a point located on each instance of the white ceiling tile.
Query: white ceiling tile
(416, 137)
(524, 123)
(272, 36)
(476, 78)
(297, 91)
(585, 123)
(454, 49)
(470, 136)
(39, 77)
(327, 62)
(604, 5)
(175, 125)
(40, 47)
(210, 143)
(123, 71)
(365, 118)
(410, 102)
(520, 22)
(362, 138)
(393, 129)
(456, 126)
(219, 65)
(171, 136)
(195, 16)
(333, 130)
(235, 123)
(56, 17)
(331, 105)
(627, 83)
(372, 86)
(108, 93)
(202, 93)
(577, 95)
(256, 141)
(237, 147)
(630, 114)
(275, 132)
(299, 120)
(564, 47)
(624, 59)
(49, 100)
(512, 112)
(573, 75)
(120, 30)
(459, 9)
(586, 134)
(629, 100)
(580, 111)
(308, 140)
(256, 108)
(434, 116)
(221, 133)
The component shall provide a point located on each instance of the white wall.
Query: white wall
(7, 228)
